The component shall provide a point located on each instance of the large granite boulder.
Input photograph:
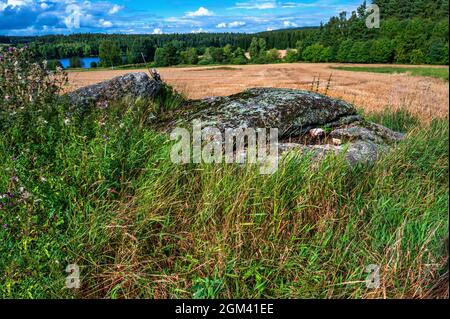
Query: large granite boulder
(293, 112)
(135, 85)
(306, 121)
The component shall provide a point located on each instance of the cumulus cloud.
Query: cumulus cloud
(105, 23)
(289, 24)
(201, 12)
(257, 4)
(233, 24)
(115, 9)
(157, 31)
(200, 30)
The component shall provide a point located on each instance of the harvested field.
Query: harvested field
(423, 96)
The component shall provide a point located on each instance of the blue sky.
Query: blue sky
(38, 17)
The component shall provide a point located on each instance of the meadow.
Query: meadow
(98, 189)
(425, 97)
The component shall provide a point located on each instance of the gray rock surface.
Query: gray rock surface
(133, 85)
(295, 113)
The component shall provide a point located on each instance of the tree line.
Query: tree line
(411, 32)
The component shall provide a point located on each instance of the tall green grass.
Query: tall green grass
(439, 73)
(104, 194)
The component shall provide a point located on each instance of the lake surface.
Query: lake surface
(85, 62)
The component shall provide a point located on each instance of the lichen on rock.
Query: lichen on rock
(135, 85)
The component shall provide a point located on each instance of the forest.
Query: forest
(411, 32)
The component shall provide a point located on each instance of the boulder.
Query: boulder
(135, 85)
(306, 121)
(293, 112)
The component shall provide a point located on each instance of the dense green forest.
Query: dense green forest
(411, 32)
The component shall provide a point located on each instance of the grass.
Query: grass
(222, 68)
(101, 192)
(439, 73)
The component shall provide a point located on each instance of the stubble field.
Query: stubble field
(424, 97)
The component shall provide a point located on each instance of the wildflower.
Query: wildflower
(14, 179)
(67, 121)
(43, 179)
(5, 226)
(26, 195)
(103, 105)
(7, 97)
(14, 158)
(105, 136)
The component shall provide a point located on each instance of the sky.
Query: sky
(39, 17)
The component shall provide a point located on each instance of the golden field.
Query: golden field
(423, 96)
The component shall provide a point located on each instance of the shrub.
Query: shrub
(26, 85)
(75, 62)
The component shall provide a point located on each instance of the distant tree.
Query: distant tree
(273, 56)
(75, 62)
(217, 54)
(316, 53)
(417, 57)
(300, 46)
(110, 54)
(207, 58)
(93, 65)
(189, 56)
(382, 51)
(172, 52)
(326, 54)
(161, 57)
(254, 49)
(239, 57)
(228, 53)
(344, 50)
(437, 52)
(291, 56)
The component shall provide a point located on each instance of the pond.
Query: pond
(85, 62)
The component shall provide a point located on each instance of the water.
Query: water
(85, 62)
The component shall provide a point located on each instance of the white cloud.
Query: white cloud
(105, 23)
(198, 31)
(157, 31)
(269, 29)
(114, 9)
(201, 12)
(258, 4)
(236, 24)
(233, 24)
(289, 24)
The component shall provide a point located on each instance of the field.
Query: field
(425, 97)
(97, 190)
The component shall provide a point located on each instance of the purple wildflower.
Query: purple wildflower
(14, 179)
(14, 158)
(5, 226)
